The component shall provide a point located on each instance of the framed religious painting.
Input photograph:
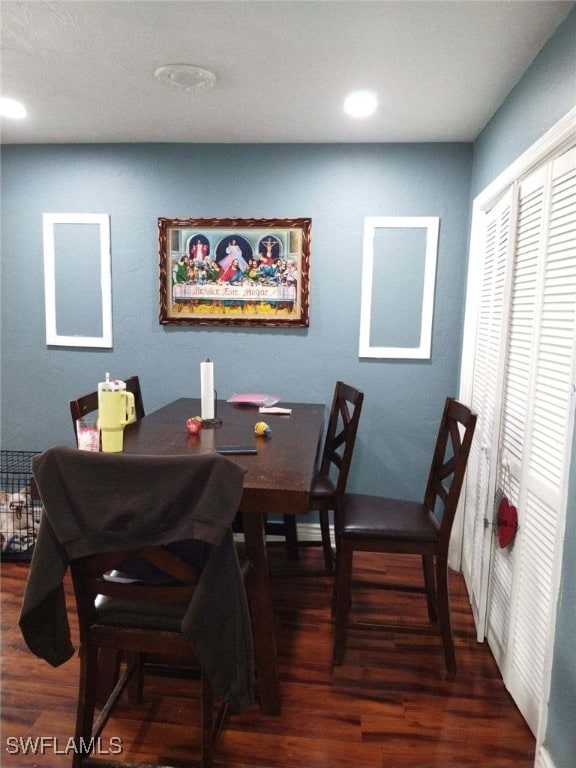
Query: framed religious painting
(234, 271)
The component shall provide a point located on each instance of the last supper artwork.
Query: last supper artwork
(234, 271)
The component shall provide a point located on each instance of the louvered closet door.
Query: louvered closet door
(515, 402)
(486, 401)
(532, 461)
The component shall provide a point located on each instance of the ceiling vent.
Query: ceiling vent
(186, 77)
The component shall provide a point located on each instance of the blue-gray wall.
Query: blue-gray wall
(545, 94)
(335, 185)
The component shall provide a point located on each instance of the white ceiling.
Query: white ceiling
(440, 69)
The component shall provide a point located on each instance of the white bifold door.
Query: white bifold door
(522, 387)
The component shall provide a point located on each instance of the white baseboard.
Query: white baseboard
(543, 759)
(310, 531)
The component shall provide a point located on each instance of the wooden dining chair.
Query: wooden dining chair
(378, 524)
(143, 621)
(85, 404)
(78, 409)
(156, 577)
(332, 475)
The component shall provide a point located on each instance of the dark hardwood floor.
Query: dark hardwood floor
(389, 706)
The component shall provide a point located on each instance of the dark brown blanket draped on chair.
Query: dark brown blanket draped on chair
(164, 499)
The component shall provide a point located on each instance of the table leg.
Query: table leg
(262, 615)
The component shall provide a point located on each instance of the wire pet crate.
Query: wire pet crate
(19, 509)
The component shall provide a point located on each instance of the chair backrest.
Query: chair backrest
(92, 579)
(89, 403)
(449, 465)
(341, 434)
(83, 405)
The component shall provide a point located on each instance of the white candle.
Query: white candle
(207, 389)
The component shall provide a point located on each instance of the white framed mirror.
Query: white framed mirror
(398, 282)
(77, 279)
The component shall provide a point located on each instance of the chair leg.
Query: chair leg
(86, 704)
(335, 581)
(135, 686)
(108, 672)
(206, 720)
(444, 614)
(343, 583)
(291, 534)
(430, 585)
(326, 541)
(338, 544)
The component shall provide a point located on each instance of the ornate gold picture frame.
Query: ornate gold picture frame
(234, 271)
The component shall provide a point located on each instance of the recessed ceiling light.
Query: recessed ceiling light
(186, 77)
(360, 104)
(12, 108)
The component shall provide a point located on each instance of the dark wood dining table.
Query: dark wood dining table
(277, 481)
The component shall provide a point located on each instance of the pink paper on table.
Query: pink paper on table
(253, 399)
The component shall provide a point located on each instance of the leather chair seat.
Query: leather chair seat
(394, 519)
(135, 613)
